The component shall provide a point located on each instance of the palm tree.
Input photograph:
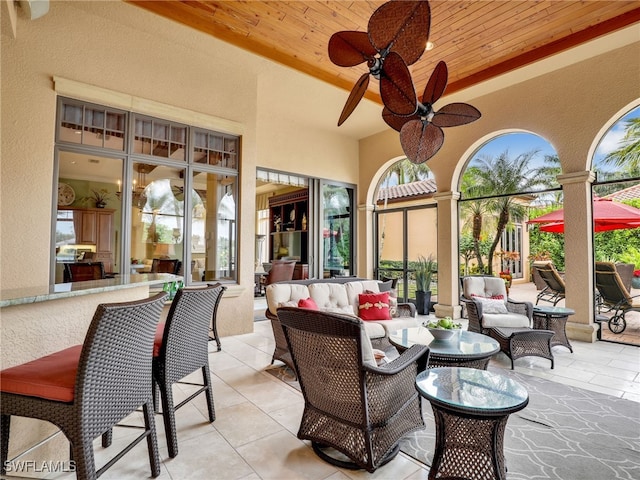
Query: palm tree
(627, 156)
(503, 176)
(474, 211)
(406, 172)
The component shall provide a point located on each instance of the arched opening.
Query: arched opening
(616, 161)
(405, 232)
(509, 179)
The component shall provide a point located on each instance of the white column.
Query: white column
(448, 256)
(578, 255)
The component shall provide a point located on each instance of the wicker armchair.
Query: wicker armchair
(182, 348)
(510, 326)
(351, 405)
(87, 389)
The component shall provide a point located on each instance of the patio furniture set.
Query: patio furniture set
(358, 407)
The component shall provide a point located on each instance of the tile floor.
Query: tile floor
(254, 435)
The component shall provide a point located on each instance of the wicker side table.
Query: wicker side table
(555, 319)
(471, 408)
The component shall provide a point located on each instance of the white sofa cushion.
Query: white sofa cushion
(331, 296)
(513, 320)
(335, 298)
(278, 294)
(484, 287)
(353, 289)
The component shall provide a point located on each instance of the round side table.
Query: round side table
(464, 349)
(554, 319)
(471, 408)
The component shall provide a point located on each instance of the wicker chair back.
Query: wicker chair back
(184, 350)
(363, 410)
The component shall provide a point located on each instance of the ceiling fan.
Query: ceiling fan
(397, 36)
(421, 135)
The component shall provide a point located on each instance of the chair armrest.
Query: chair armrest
(523, 308)
(417, 353)
(406, 310)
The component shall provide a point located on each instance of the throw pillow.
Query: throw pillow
(307, 303)
(492, 305)
(374, 306)
(495, 297)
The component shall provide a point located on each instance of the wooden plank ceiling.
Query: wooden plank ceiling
(477, 39)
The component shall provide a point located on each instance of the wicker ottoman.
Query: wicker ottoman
(523, 342)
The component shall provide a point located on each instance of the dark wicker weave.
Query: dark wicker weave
(469, 441)
(359, 410)
(213, 329)
(514, 342)
(185, 350)
(113, 380)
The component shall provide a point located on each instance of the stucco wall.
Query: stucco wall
(122, 48)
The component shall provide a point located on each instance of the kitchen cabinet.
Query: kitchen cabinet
(94, 226)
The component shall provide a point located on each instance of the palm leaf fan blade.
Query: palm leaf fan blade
(347, 48)
(437, 84)
(456, 114)
(354, 97)
(402, 27)
(396, 86)
(396, 121)
(420, 141)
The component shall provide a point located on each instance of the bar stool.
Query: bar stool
(87, 389)
(181, 348)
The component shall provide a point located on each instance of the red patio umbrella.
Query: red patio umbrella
(607, 215)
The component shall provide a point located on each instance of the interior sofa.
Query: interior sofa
(338, 295)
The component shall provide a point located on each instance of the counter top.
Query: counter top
(22, 296)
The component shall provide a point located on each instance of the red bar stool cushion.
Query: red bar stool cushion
(157, 341)
(52, 377)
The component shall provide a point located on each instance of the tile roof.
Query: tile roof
(630, 193)
(408, 190)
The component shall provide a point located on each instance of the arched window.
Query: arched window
(505, 178)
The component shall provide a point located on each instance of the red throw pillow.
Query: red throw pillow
(374, 306)
(493, 297)
(307, 303)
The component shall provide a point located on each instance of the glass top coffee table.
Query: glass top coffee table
(464, 349)
(470, 408)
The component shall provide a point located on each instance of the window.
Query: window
(100, 150)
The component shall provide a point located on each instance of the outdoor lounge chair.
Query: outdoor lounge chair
(614, 297)
(350, 404)
(492, 313)
(555, 287)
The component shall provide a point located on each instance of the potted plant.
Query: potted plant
(425, 268)
(100, 197)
